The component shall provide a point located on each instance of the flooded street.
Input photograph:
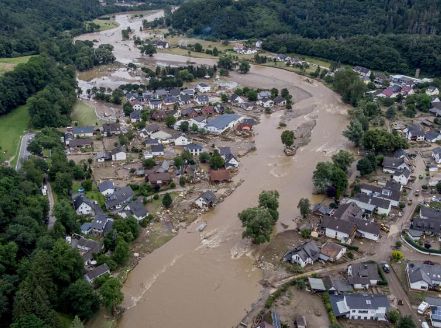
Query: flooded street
(195, 282)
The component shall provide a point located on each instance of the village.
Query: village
(170, 154)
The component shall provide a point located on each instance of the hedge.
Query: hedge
(423, 249)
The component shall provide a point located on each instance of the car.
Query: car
(384, 227)
(428, 262)
(386, 268)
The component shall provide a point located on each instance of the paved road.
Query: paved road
(23, 153)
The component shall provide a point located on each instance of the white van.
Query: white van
(423, 307)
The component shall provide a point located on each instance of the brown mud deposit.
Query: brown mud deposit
(210, 279)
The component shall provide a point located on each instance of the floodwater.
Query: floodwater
(211, 282)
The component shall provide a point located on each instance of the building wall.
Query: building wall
(368, 235)
(84, 209)
(343, 237)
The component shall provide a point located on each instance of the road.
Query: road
(23, 152)
(50, 196)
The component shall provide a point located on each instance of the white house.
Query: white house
(221, 123)
(423, 276)
(415, 132)
(436, 154)
(106, 188)
(342, 230)
(360, 306)
(304, 254)
(393, 164)
(203, 87)
(181, 141)
(432, 91)
(363, 275)
(402, 176)
(206, 199)
(371, 204)
(83, 131)
(137, 107)
(84, 206)
(162, 136)
(119, 154)
(194, 149)
(265, 103)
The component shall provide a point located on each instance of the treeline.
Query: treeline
(392, 36)
(390, 53)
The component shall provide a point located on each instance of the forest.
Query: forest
(393, 35)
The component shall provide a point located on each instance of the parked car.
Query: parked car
(386, 268)
(429, 262)
(385, 228)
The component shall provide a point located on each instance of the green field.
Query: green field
(12, 127)
(8, 64)
(105, 24)
(84, 114)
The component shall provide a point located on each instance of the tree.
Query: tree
(184, 126)
(329, 178)
(111, 295)
(270, 200)
(258, 224)
(406, 322)
(244, 67)
(393, 316)
(121, 253)
(343, 159)
(365, 166)
(167, 200)
(305, 207)
(397, 255)
(127, 108)
(287, 138)
(226, 63)
(354, 132)
(382, 141)
(390, 113)
(29, 321)
(216, 161)
(170, 121)
(198, 47)
(66, 215)
(76, 323)
(148, 49)
(81, 299)
(204, 157)
(149, 163)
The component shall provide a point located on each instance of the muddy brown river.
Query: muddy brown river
(212, 282)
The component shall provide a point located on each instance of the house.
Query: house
(97, 272)
(360, 306)
(119, 198)
(414, 132)
(170, 101)
(342, 230)
(203, 87)
(371, 204)
(189, 112)
(202, 100)
(432, 91)
(423, 276)
(159, 178)
(110, 129)
(106, 188)
(135, 209)
(363, 275)
(155, 104)
(221, 123)
(86, 228)
(235, 99)
(185, 99)
(402, 176)
(157, 150)
(101, 225)
(135, 116)
(160, 44)
(162, 136)
(436, 155)
(430, 213)
(432, 136)
(118, 154)
(150, 142)
(428, 222)
(306, 253)
(86, 247)
(188, 92)
(391, 191)
(332, 252)
(206, 199)
(194, 149)
(265, 102)
(83, 131)
(279, 101)
(149, 130)
(263, 94)
(199, 121)
(208, 111)
(392, 164)
(181, 141)
(80, 143)
(85, 206)
(103, 156)
(231, 161)
(218, 176)
(322, 210)
(159, 115)
(363, 71)
(367, 229)
(248, 106)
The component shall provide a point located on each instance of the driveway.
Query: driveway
(23, 152)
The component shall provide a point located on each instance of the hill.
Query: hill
(329, 29)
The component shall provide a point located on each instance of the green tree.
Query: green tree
(438, 187)
(258, 223)
(29, 321)
(198, 47)
(66, 215)
(149, 163)
(393, 316)
(226, 63)
(167, 200)
(382, 141)
(397, 255)
(390, 113)
(216, 161)
(204, 157)
(244, 67)
(287, 138)
(170, 121)
(354, 132)
(365, 166)
(148, 49)
(343, 159)
(184, 126)
(111, 295)
(305, 207)
(329, 178)
(127, 108)
(406, 322)
(215, 52)
(81, 299)
(122, 252)
(76, 323)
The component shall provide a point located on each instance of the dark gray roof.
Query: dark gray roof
(193, 146)
(392, 162)
(97, 272)
(343, 304)
(429, 212)
(363, 273)
(366, 226)
(80, 142)
(150, 141)
(430, 135)
(83, 129)
(322, 209)
(437, 150)
(137, 208)
(416, 130)
(157, 148)
(306, 250)
(390, 192)
(120, 197)
(404, 172)
(80, 199)
(135, 115)
(223, 151)
(338, 225)
(346, 211)
(202, 98)
(222, 121)
(279, 99)
(426, 225)
(118, 150)
(100, 222)
(111, 127)
(433, 301)
(423, 272)
(106, 185)
(208, 196)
